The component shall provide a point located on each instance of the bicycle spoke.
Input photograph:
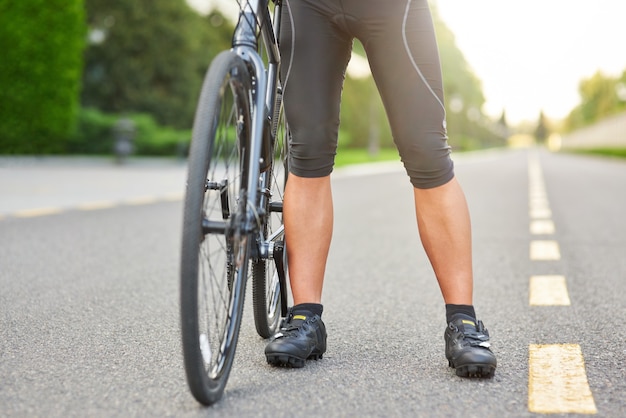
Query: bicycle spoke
(217, 237)
(214, 257)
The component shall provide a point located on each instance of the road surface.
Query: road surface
(89, 296)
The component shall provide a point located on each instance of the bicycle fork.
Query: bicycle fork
(266, 98)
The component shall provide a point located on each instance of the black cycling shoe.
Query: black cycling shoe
(467, 348)
(301, 337)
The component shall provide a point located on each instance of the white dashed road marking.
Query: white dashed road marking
(544, 250)
(542, 227)
(548, 291)
(557, 380)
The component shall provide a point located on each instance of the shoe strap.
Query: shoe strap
(474, 333)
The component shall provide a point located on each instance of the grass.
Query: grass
(608, 152)
(349, 156)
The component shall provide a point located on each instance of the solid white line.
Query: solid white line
(540, 213)
(31, 213)
(538, 201)
(140, 200)
(174, 197)
(95, 205)
(105, 204)
(538, 206)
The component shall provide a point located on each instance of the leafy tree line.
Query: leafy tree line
(70, 68)
(468, 127)
(601, 96)
(149, 56)
(363, 118)
(154, 53)
(145, 59)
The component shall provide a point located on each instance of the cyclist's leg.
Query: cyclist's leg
(315, 53)
(405, 64)
(413, 96)
(308, 212)
(444, 228)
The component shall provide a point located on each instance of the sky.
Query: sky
(531, 55)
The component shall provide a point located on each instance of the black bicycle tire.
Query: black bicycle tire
(226, 66)
(265, 323)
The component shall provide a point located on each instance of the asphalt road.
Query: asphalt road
(89, 295)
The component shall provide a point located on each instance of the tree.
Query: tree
(362, 110)
(459, 80)
(149, 56)
(601, 96)
(503, 125)
(363, 118)
(468, 127)
(42, 43)
(541, 131)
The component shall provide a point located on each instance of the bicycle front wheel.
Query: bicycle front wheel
(215, 249)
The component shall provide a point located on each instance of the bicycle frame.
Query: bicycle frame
(256, 14)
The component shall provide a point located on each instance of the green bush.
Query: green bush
(95, 134)
(40, 70)
(152, 139)
(463, 142)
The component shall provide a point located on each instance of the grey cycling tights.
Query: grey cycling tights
(399, 39)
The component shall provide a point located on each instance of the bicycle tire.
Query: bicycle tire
(215, 251)
(269, 291)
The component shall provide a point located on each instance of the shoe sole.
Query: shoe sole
(285, 360)
(474, 370)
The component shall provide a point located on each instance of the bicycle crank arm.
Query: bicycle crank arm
(222, 186)
(279, 248)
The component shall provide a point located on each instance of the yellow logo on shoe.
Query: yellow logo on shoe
(302, 317)
(466, 322)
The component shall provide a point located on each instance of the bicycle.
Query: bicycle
(232, 217)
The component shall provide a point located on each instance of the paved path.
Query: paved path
(89, 299)
(32, 187)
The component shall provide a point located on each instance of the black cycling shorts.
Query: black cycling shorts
(399, 39)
